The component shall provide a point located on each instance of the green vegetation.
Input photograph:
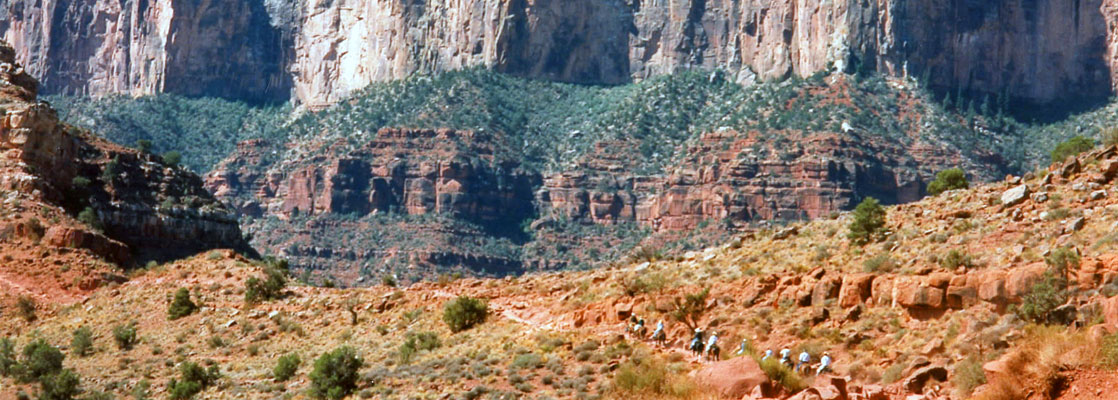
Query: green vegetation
(644, 375)
(63, 385)
(125, 336)
(1071, 147)
(143, 145)
(82, 343)
(90, 218)
(39, 360)
(782, 374)
(25, 308)
(286, 367)
(111, 171)
(690, 309)
(880, 263)
(869, 221)
(416, 342)
(335, 374)
(1043, 297)
(193, 379)
(955, 259)
(948, 179)
(172, 158)
(271, 287)
(181, 306)
(8, 360)
(968, 375)
(464, 313)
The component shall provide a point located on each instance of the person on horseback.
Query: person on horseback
(638, 330)
(768, 353)
(697, 341)
(785, 356)
(824, 363)
(711, 349)
(742, 347)
(805, 358)
(658, 335)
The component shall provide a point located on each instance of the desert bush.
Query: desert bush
(416, 342)
(335, 374)
(125, 336)
(1062, 260)
(690, 309)
(869, 221)
(644, 283)
(25, 308)
(8, 360)
(388, 280)
(286, 367)
(948, 179)
(172, 158)
(270, 287)
(181, 306)
(82, 342)
(111, 171)
(968, 375)
(782, 375)
(193, 379)
(645, 253)
(62, 385)
(1042, 297)
(955, 259)
(880, 263)
(143, 146)
(1108, 351)
(90, 218)
(1071, 147)
(643, 375)
(80, 182)
(464, 313)
(39, 360)
(527, 361)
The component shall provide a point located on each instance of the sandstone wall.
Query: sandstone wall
(1033, 50)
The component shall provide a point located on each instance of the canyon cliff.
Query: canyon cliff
(319, 52)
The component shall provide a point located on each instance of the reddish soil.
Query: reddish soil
(1094, 384)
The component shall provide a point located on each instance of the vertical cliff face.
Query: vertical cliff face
(1033, 50)
(192, 47)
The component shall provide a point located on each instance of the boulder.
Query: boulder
(1015, 195)
(1109, 169)
(1075, 224)
(1110, 313)
(807, 394)
(915, 382)
(913, 293)
(855, 289)
(1020, 281)
(825, 289)
(786, 233)
(733, 378)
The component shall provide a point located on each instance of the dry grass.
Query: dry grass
(1035, 363)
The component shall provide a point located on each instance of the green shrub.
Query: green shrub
(8, 361)
(270, 288)
(527, 361)
(416, 342)
(955, 259)
(80, 182)
(1062, 260)
(181, 306)
(880, 263)
(1071, 147)
(690, 309)
(1042, 297)
(192, 380)
(125, 336)
(82, 343)
(464, 313)
(172, 158)
(643, 375)
(782, 374)
(90, 218)
(62, 385)
(335, 374)
(868, 223)
(388, 280)
(40, 359)
(948, 179)
(111, 171)
(968, 375)
(144, 146)
(286, 367)
(25, 308)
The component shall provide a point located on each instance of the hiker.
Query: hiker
(658, 336)
(768, 353)
(804, 359)
(741, 349)
(712, 350)
(824, 363)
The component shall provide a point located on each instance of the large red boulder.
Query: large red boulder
(855, 289)
(1110, 313)
(733, 378)
(912, 293)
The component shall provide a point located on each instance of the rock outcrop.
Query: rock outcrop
(1036, 51)
(136, 204)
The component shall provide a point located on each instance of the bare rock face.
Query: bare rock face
(734, 378)
(1036, 51)
(197, 48)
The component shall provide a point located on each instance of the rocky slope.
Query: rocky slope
(927, 312)
(66, 189)
(669, 159)
(324, 50)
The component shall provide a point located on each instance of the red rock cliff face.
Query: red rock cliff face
(1033, 50)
